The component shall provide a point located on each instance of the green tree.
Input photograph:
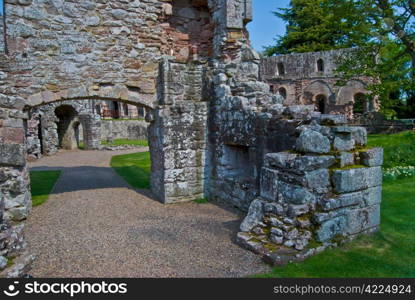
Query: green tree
(381, 31)
(318, 25)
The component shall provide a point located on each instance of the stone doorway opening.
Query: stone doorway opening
(68, 128)
(321, 103)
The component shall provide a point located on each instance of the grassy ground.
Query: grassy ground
(389, 253)
(399, 148)
(123, 142)
(134, 168)
(42, 183)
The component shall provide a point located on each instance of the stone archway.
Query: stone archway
(316, 88)
(68, 118)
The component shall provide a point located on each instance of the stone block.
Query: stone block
(11, 102)
(362, 219)
(297, 210)
(282, 160)
(372, 196)
(318, 180)
(331, 228)
(310, 163)
(295, 194)
(346, 159)
(351, 180)
(372, 157)
(269, 184)
(343, 142)
(342, 201)
(330, 120)
(359, 134)
(313, 142)
(273, 208)
(254, 217)
(12, 155)
(18, 213)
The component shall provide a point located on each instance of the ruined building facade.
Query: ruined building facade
(311, 79)
(215, 129)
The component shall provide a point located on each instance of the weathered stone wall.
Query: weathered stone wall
(124, 129)
(178, 133)
(42, 136)
(212, 122)
(304, 78)
(325, 192)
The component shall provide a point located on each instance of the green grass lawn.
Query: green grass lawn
(388, 253)
(134, 168)
(399, 148)
(42, 183)
(124, 142)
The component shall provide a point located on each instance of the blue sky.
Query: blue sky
(265, 26)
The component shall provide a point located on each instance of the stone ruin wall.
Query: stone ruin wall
(209, 118)
(73, 50)
(307, 179)
(128, 129)
(303, 81)
(42, 134)
(324, 191)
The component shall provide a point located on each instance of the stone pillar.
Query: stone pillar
(91, 125)
(324, 193)
(178, 134)
(15, 197)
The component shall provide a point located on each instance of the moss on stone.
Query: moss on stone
(348, 168)
(201, 201)
(10, 262)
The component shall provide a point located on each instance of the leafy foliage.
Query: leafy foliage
(318, 25)
(399, 148)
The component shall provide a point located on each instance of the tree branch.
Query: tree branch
(397, 29)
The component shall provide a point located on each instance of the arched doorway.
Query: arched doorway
(360, 103)
(282, 92)
(68, 127)
(321, 101)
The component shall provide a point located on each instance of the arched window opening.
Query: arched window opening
(283, 93)
(320, 65)
(321, 101)
(360, 104)
(281, 68)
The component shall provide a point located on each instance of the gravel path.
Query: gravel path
(95, 225)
